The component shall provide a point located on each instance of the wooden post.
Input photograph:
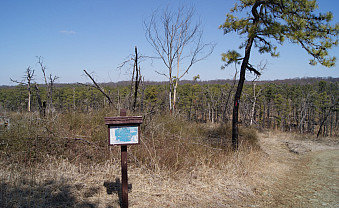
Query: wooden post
(123, 130)
(124, 178)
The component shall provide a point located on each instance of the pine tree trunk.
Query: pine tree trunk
(236, 103)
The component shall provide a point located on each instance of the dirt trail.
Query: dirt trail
(302, 174)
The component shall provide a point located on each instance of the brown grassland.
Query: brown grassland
(63, 160)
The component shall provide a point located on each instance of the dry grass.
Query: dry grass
(289, 159)
(59, 183)
(64, 161)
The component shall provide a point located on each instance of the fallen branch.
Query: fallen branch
(98, 87)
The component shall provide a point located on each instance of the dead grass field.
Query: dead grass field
(177, 164)
(58, 183)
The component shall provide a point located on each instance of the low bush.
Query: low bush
(167, 142)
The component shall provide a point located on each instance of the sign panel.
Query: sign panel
(123, 130)
(124, 135)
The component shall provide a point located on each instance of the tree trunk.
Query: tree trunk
(170, 94)
(236, 103)
(244, 67)
(29, 98)
(255, 96)
(324, 120)
(41, 105)
(269, 113)
(175, 95)
(73, 99)
(137, 79)
(176, 83)
(143, 87)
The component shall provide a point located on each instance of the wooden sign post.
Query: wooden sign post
(124, 130)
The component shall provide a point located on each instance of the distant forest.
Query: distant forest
(305, 105)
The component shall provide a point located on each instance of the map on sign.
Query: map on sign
(123, 135)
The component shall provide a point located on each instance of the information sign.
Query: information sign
(123, 135)
(123, 130)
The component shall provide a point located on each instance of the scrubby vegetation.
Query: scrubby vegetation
(167, 142)
(63, 159)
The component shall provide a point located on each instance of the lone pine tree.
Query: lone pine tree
(265, 23)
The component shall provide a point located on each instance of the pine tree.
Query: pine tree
(272, 21)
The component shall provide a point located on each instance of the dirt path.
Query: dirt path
(306, 174)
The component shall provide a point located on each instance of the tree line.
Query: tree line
(305, 108)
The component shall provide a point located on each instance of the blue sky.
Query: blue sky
(98, 35)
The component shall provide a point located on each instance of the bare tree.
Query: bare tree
(136, 76)
(49, 83)
(177, 41)
(29, 77)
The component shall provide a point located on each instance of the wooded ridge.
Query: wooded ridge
(307, 105)
(303, 80)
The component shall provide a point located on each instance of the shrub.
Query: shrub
(167, 143)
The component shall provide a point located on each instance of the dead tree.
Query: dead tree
(177, 41)
(29, 77)
(133, 61)
(49, 83)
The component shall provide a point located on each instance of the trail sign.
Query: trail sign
(123, 135)
(123, 130)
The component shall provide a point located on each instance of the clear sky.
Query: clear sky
(98, 35)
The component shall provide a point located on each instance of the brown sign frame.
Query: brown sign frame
(120, 122)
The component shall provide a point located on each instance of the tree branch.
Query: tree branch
(98, 87)
(252, 69)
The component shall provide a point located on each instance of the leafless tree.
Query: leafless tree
(133, 61)
(29, 77)
(49, 83)
(177, 41)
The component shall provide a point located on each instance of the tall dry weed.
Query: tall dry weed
(65, 157)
